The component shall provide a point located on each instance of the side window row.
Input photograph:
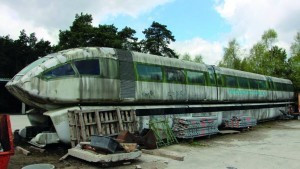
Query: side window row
(106, 68)
(155, 73)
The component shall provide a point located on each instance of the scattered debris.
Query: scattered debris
(64, 157)
(145, 139)
(37, 149)
(24, 151)
(129, 147)
(92, 156)
(44, 138)
(105, 144)
(138, 167)
(126, 163)
(240, 122)
(164, 153)
(229, 131)
(39, 166)
(191, 127)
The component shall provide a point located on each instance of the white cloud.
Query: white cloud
(47, 17)
(211, 51)
(250, 18)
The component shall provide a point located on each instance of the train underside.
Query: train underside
(58, 121)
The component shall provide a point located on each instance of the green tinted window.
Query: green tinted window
(196, 77)
(262, 85)
(278, 86)
(253, 84)
(290, 88)
(149, 72)
(64, 70)
(231, 81)
(174, 75)
(88, 67)
(243, 82)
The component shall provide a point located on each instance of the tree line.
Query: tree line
(264, 57)
(16, 54)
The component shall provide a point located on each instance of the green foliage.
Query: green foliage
(198, 59)
(231, 56)
(294, 62)
(16, 54)
(186, 57)
(269, 37)
(158, 37)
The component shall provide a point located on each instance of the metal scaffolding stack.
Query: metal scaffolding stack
(240, 122)
(190, 127)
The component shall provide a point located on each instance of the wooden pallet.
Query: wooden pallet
(85, 123)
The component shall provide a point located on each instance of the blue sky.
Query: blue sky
(185, 18)
(199, 26)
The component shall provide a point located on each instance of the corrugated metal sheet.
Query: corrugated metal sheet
(127, 76)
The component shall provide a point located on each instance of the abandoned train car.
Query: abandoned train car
(95, 76)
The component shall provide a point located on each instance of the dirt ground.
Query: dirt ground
(274, 144)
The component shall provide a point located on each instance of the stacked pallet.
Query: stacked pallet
(191, 127)
(240, 122)
(86, 123)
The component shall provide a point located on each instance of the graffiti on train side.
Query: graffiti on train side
(247, 92)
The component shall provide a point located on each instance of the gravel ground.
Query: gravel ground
(274, 144)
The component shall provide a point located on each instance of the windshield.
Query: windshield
(32, 65)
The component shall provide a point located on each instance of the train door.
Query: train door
(212, 89)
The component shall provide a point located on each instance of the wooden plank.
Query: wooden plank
(72, 130)
(91, 122)
(81, 121)
(98, 123)
(103, 125)
(77, 127)
(128, 119)
(87, 128)
(124, 119)
(120, 120)
(112, 127)
(107, 124)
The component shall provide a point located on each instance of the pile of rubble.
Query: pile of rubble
(190, 127)
(240, 122)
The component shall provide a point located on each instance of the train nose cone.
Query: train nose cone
(15, 87)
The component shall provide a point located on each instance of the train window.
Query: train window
(211, 76)
(196, 77)
(64, 70)
(109, 68)
(290, 88)
(175, 75)
(253, 84)
(149, 72)
(262, 85)
(278, 86)
(243, 82)
(231, 81)
(88, 67)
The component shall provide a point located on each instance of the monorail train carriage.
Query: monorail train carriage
(95, 75)
(95, 78)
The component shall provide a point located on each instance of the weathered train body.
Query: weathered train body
(152, 85)
(107, 76)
